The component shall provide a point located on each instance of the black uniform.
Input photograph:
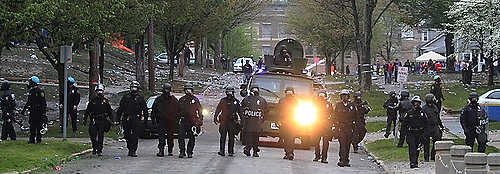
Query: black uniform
(165, 113)
(132, 108)
(438, 93)
(287, 128)
(361, 108)
(8, 105)
(391, 106)
(37, 107)
(344, 117)
(99, 112)
(253, 109)
(403, 108)
(432, 129)
(416, 121)
(73, 100)
(190, 115)
(228, 109)
(323, 129)
(474, 120)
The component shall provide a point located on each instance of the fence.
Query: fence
(458, 159)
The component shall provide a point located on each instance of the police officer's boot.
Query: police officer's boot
(255, 154)
(246, 152)
(161, 153)
(94, 152)
(132, 154)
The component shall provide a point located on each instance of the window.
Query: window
(407, 35)
(425, 36)
(267, 30)
(467, 57)
(282, 31)
(266, 50)
(494, 95)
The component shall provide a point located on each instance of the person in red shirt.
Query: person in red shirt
(437, 67)
(390, 70)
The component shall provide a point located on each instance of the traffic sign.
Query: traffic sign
(66, 54)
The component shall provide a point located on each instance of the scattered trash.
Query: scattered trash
(58, 168)
(370, 158)
(77, 157)
(44, 159)
(116, 157)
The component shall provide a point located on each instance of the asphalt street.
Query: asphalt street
(206, 159)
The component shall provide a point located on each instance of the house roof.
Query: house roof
(432, 41)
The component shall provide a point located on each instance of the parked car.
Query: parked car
(491, 102)
(163, 58)
(238, 65)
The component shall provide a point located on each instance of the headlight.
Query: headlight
(205, 112)
(305, 113)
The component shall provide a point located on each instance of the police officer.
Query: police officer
(361, 108)
(287, 105)
(474, 121)
(191, 120)
(253, 108)
(7, 105)
(132, 108)
(344, 117)
(164, 112)
(403, 108)
(437, 91)
(99, 112)
(433, 126)
(323, 127)
(37, 107)
(227, 114)
(416, 122)
(247, 70)
(73, 101)
(391, 105)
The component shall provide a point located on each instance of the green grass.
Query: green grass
(494, 125)
(375, 126)
(20, 156)
(455, 94)
(385, 150)
(376, 101)
(83, 132)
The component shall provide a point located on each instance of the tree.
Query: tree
(312, 21)
(239, 42)
(11, 27)
(430, 14)
(476, 22)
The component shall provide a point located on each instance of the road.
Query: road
(206, 159)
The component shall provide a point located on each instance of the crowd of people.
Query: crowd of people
(390, 69)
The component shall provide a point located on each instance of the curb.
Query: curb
(62, 161)
(376, 159)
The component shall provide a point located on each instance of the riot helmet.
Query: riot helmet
(33, 81)
(167, 88)
(230, 91)
(357, 95)
(254, 90)
(416, 102)
(289, 91)
(405, 94)
(344, 95)
(473, 97)
(188, 88)
(5, 85)
(429, 98)
(134, 86)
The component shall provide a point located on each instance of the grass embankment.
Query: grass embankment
(83, 132)
(375, 126)
(385, 150)
(19, 156)
(494, 125)
(455, 94)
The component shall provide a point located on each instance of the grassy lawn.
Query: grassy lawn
(387, 151)
(83, 132)
(46, 155)
(455, 94)
(494, 125)
(375, 126)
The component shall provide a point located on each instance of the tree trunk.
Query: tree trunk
(205, 56)
(197, 51)
(365, 64)
(182, 58)
(139, 64)
(328, 63)
(151, 65)
(342, 61)
(450, 50)
(357, 36)
(101, 61)
(93, 70)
